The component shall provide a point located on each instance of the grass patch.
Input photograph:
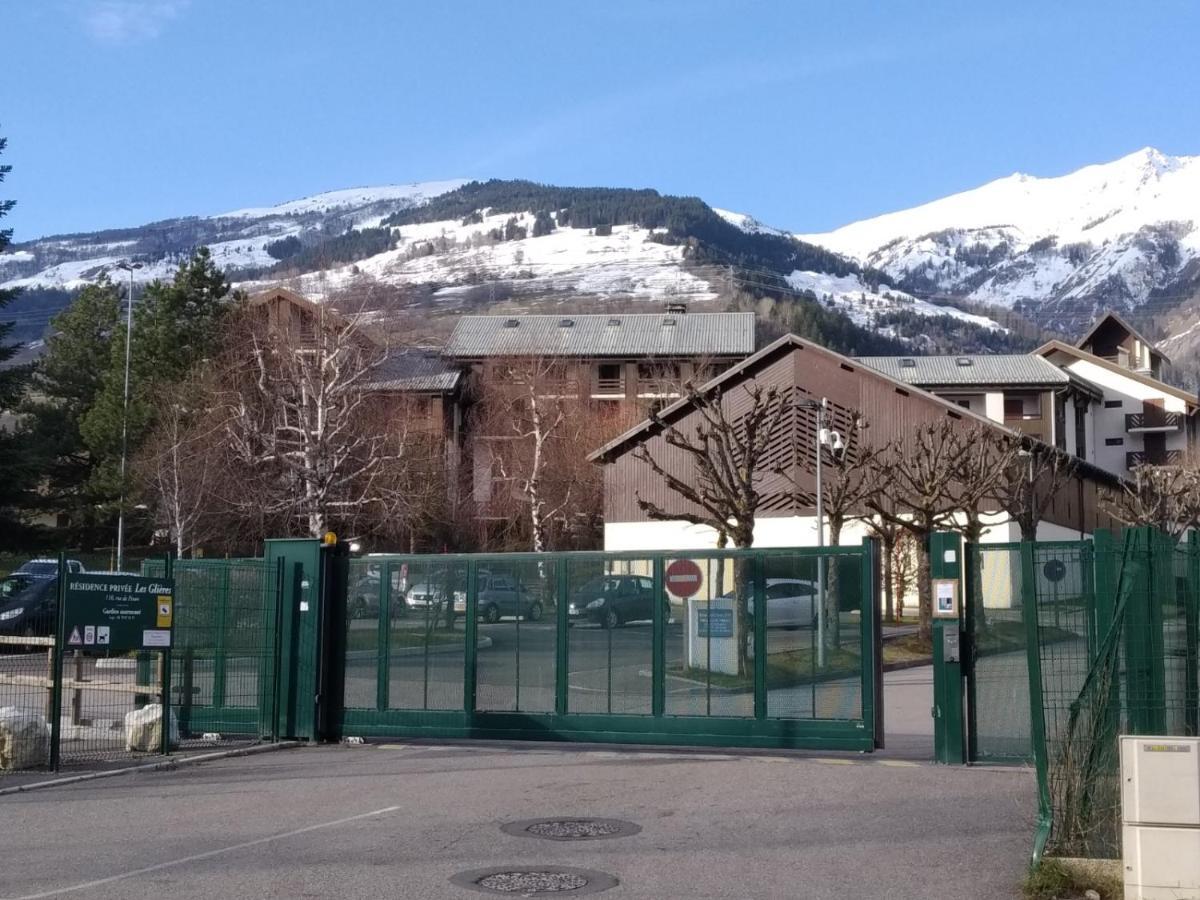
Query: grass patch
(907, 648)
(401, 638)
(786, 669)
(1053, 880)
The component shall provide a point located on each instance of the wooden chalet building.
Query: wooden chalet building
(800, 371)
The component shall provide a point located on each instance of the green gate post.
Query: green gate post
(1103, 611)
(971, 597)
(1191, 601)
(562, 636)
(330, 674)
(871, 611)
(56, 666)
(298, 635)
(165, 696)
(949, 738)
(383, 638)
(1143, 635)
(658, 653)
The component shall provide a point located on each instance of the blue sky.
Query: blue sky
(805, 114)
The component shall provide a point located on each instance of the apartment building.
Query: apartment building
(1102, 399)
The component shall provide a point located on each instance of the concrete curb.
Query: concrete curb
(166, 765)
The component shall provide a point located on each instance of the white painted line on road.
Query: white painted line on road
(897, 763)
(87, 885)
(833, 762)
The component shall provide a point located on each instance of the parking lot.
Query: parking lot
(401, 820)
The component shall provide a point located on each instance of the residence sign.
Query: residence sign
(117, 612)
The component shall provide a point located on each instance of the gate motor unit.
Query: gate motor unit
(1160, 812)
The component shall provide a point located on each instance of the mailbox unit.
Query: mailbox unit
(1160, 811)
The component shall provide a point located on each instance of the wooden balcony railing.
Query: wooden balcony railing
(1141, 458)
(1157, 421)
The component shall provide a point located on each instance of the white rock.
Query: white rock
(143, 729)
(24, 739)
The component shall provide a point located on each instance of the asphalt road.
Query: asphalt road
(399, 821)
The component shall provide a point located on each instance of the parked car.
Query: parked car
(48, 567)
(612, 600)
(791, 602)
(363, 599)
(31, 608)
(500, 595)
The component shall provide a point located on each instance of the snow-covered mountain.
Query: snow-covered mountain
(441, 247)
(1123, 235)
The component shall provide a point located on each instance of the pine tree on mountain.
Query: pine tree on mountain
(18, 474)
(66, 382)
(176, 324)
(12, 379)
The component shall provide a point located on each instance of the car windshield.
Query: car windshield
(39, 567)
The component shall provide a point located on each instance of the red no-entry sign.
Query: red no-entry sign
(683, 577)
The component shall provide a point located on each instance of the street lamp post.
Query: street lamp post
(127, 267)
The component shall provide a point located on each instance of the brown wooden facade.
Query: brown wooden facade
(801, 371)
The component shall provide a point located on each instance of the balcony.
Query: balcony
(1153, 422)
(1141, 458)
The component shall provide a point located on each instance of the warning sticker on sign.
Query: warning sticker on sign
(75, 637)
(164, 612)
(102, 634)
(89, 634)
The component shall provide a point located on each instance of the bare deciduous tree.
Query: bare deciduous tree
(308, 437)
(1163, 497)
(725, 457)
(916, 477)
(1033, 475)
(181, 463)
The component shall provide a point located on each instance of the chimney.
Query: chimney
(677, 308)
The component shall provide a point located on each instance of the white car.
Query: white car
(791, 603)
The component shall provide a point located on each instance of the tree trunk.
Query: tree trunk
(889, 593)
(924, 591)
(832, 601)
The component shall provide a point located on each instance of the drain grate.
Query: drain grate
(532, 882)
(571, 828)
(536, 881)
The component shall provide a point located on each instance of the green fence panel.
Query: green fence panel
(610, 646)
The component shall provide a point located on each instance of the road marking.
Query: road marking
(87, 885)
(834, 762)
(897, 763)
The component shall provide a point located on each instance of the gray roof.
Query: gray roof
(616, 335)
(417, 370)
(1018, 370)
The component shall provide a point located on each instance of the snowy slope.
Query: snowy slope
(1104, 235)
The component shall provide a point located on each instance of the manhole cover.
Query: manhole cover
(535, 881)
(571, 829)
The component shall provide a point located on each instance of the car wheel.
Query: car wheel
(611, 619)
(535, 612)
(29, 632)
(491, 615)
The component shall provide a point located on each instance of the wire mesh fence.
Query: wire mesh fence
(1117, 656)
(81, 704)
(224, 682)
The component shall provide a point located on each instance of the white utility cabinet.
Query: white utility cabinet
(1160, 814)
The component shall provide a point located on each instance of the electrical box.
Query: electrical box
(1160, 811)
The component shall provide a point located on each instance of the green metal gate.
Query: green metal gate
(614, 647)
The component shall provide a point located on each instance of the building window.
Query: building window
(965, 404)
(1114, 442)
(1080, 431)
(1112, 404)
(1022, 406)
